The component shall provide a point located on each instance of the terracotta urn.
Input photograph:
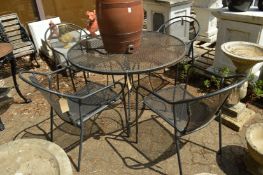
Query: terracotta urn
(120, 24)
(239, 5)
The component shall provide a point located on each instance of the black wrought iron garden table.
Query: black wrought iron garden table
(156, 52)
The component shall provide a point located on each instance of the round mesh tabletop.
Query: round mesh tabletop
(157, 51)
(5, 49)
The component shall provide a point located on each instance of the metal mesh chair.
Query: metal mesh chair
(73, 100)
(184, 27)
(60, 37)
(185, 112)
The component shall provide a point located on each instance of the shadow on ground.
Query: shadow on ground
(231, 161)
(155, 143)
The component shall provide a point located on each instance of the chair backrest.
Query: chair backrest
(60, 37)
(12, 31)
(200, 111)
(54, 87)
(184, 27)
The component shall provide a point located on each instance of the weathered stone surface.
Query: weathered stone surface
(234, 26)
(234, 111)
(208, 22)
(33, 156)
(237, 123)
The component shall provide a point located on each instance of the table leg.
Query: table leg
(13, 71)
(126, 78)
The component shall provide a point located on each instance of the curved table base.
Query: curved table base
(13, 71)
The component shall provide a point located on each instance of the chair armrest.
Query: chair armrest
(102, 89)
(58, 93)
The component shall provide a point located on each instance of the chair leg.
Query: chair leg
(137, 113)
(192, 53)
(80, 147)
(85, 77)
(125, 110)
(220, 133)
(34, 58)
(51, 124)
(178, 153)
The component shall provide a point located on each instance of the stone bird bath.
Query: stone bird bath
(244, 56)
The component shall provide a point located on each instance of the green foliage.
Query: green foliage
(224, 71)
(183, 73)
(207, 84)
(258, 88)
(251, 77)
(216, 81)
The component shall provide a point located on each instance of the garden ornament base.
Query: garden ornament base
(244, 56)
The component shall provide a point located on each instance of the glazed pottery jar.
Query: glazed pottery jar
(260, 5)
(239, 5)
(120, 24)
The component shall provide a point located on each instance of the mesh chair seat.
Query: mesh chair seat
(73, 99)
(183, 111)
(90, 105)
(77, 108)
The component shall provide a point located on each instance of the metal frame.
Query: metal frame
(54, 51)
(183, 19)
(125, 72)
(177, 132)
(78, 98)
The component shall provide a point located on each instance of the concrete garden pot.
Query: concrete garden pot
(254, 138)
(244, 56)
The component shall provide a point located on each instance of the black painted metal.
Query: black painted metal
(186, 28)
(239, 5)
(13, 71)
(157, 51)
(84, 100)
(186, 113)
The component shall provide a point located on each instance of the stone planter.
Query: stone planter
(239, 5)
(254, 138)
(244, 55)
(34, 156)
